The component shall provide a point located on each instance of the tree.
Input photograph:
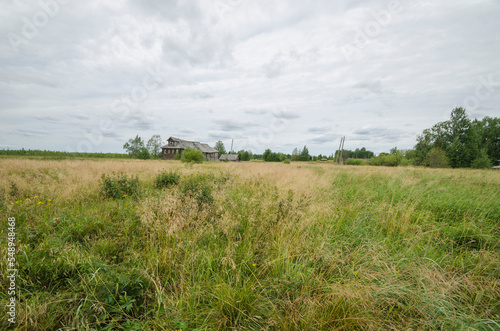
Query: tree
(154, 146)
(482, 161)
(220, 147)
(295, 154)
(244, 155)
(143, 154)
(192, 155)
(488, 130)
(266, 155)
(460, 138)
(437, 158)
(134, 146)
(304, 155)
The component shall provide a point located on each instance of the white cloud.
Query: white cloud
(200, 69)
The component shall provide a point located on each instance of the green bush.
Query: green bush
(388, 160)
(482, 161)
(177, 156)
(286, 161)
(355, 162)
(437, 159)
(198, 187)
(119, 186)
(166, 179)
(192, 155)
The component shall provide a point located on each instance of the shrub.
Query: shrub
(119, 186)
(482, 161)
(192, 155)
(355, 162)
(177, 156)
(166, 179)
(198, 187)
(143, 154)
(286, 161)
(388, 160)
(437, 158)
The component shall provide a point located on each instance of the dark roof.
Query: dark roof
(183, 144)
(229, 157)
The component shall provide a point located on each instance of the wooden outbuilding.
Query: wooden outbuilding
(230, 157)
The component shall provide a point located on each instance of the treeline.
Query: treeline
(456, 143)
(61, 155)
(460, 142)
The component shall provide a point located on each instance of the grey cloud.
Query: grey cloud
(80, 116)
(374, 87)
(380, 134)
(186, 131)
(48, 118)
(286, 114)
(255, 111)
(326, 138)
(202, 95)
(319, 129)
(219, 135)
(93, 53)
(230, 125)
(111, 135)
(31, 133)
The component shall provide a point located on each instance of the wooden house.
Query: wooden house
(230, 157)
(176, 145)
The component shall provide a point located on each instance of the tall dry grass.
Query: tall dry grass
(255, 246)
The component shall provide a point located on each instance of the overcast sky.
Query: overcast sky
(89, 75)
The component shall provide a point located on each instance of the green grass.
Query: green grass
(253, 247)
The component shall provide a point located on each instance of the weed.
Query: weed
(119, 186)
(166, 179)
(198, 187)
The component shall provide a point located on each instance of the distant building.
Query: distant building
(230, 157)
(176, 145)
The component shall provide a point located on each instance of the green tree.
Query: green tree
(244, 155)
(143, 154)
(134, 146)
(482, 161)
(437, 158)
(192, 155)
(295, 154)
(460, 138)
(219, 145)
(488, 130)
(304, 154)
(266, 155)
(154, 146)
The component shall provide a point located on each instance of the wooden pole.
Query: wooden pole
(336, 160)
(342, 152)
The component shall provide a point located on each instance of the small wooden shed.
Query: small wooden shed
(230, 157)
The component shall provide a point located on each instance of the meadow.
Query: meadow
(160, 245)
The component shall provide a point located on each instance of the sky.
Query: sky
(86, 76)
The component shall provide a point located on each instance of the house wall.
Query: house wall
(169, 153)
(211, 156)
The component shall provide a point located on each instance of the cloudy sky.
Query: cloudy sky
(89, 75)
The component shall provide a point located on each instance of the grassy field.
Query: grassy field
(251, 246)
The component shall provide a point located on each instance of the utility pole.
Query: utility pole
(231, 150)
(336, 160)
(342, 152)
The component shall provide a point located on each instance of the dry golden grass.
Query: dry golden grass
(278, 246)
